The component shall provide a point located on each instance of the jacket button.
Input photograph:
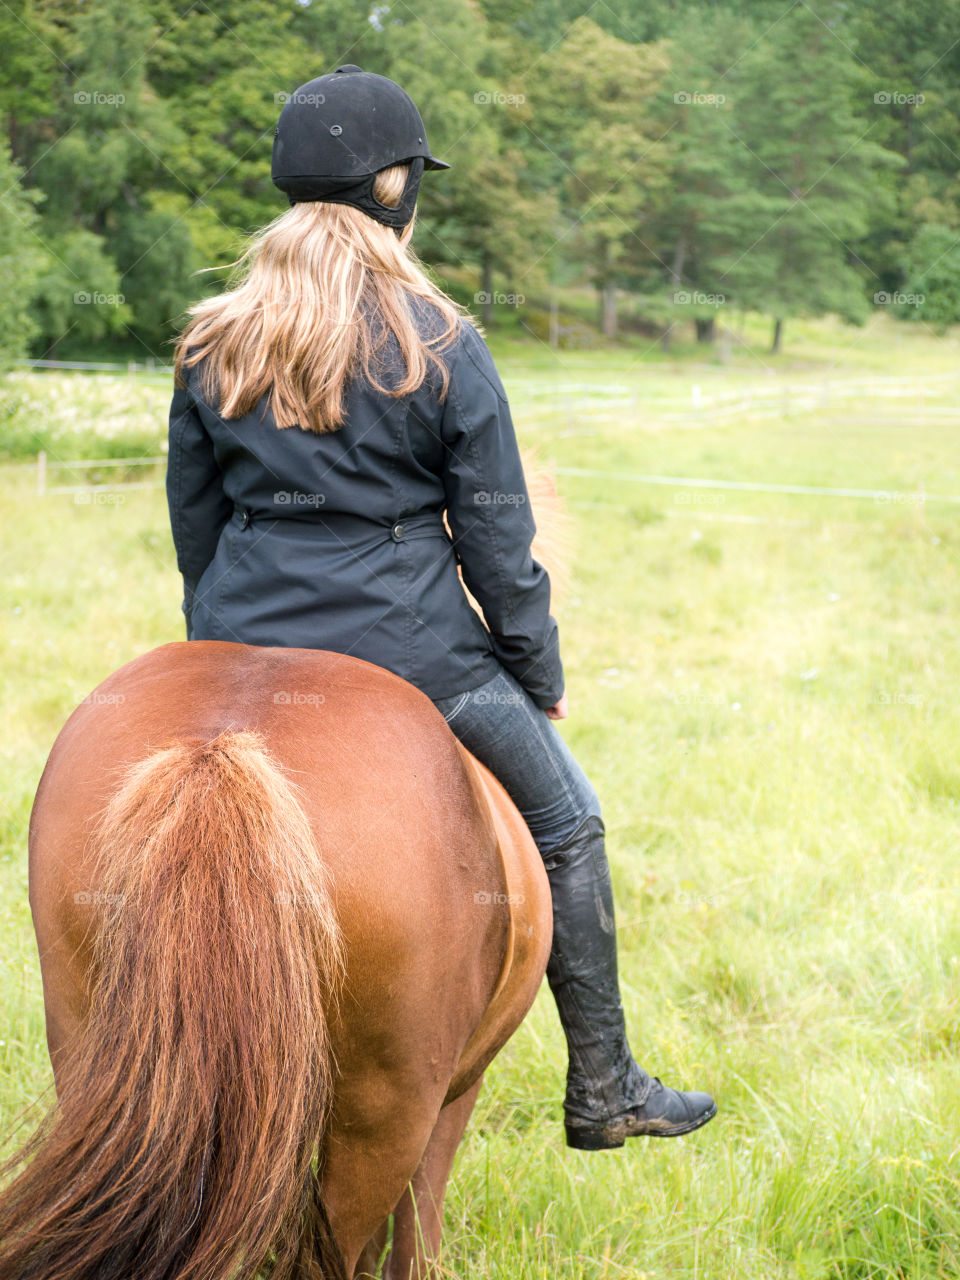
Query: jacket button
(397, 532)
(244, 519)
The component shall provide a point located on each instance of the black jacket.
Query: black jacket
(336, 541)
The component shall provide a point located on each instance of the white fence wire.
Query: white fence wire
(694, 409)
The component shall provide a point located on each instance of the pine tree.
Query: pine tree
(21, 258)
(805, 179)
(592, 114)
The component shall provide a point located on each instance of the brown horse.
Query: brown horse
(285, 921)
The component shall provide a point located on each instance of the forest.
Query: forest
(616, 168)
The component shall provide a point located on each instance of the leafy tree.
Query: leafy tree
(490, 215)
(913, 65)
(29, 69)
(21, 258)
(96, 171)
(141, 133)
(931, 271)
(803, 189)
(696, 108)
(78, 290)
(591, 112)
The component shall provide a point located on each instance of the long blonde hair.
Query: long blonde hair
(313, 301)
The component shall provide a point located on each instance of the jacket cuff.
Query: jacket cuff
(187, 605)
(543, 700)
(540, 677)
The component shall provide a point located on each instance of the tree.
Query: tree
(490, 213)
(94, 160)
(931, 270)
(78, 291)
(806, 182)
(29, 70)
(591, 112)
(913, 62)
(20, 260)
(697, 106)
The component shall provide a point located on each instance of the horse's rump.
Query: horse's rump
(439, 896)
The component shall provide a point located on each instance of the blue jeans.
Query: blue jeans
(502, 726)
(523, 749)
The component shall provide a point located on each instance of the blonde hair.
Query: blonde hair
(312, 303)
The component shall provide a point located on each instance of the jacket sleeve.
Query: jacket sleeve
(488, 509)
(199, 508)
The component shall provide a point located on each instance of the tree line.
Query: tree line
(683, 159)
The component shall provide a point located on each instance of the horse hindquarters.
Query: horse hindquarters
(436, 960)
(182, 1143)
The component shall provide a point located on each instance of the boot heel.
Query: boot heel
(585, 1138)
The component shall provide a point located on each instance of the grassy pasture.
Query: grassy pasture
(765, 689)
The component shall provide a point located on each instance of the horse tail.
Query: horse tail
(185, 1141)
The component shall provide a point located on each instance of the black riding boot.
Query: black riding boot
(609, 1096)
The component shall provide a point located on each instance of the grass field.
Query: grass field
(765, 690)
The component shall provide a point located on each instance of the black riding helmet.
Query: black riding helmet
(337, 132)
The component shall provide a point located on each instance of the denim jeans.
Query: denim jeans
(523, 749)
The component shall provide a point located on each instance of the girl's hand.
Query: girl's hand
(559, 710)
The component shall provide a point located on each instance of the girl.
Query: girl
(328, 411)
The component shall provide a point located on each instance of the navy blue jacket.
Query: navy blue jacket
(336, 541)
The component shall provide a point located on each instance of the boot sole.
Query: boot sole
(597, 1139)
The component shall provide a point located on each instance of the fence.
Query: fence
(44, 467)
(694, 409)
(678, 482)
(150, 365)
(719, 406)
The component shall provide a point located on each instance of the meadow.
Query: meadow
(765, 689)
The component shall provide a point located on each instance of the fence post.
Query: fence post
(42, 472)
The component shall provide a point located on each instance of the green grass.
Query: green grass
(765, 690)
